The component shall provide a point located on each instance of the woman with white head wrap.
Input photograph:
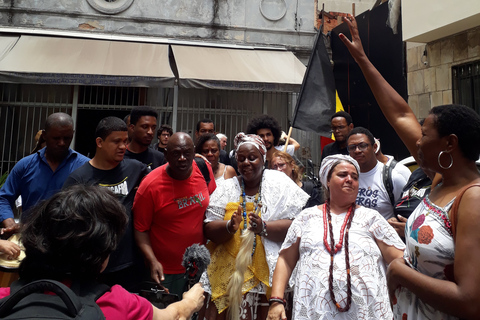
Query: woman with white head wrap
(247, 220)
(340, 251)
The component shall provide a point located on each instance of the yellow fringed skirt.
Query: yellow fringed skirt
(222, 264)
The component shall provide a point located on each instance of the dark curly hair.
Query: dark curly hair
(71, 234)
(204, 138)
(265, 121)
(142, 111)
(164, 127)
(108, 125)
(204, 120)
(343, 114)
(362, 130)
(461, 121)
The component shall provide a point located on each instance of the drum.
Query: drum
(8, 275)
(9, 268)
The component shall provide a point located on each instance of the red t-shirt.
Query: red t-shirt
(173, 212)
(117, 304)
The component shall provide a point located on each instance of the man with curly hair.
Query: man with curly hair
(268, 128)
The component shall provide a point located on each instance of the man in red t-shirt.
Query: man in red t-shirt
(169, 209)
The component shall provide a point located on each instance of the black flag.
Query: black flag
(316, 101)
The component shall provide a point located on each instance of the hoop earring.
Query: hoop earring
(451, 160)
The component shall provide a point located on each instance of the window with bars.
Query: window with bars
(466, 84)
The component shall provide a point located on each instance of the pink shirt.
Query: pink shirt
(117, 304)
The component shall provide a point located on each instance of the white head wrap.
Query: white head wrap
(328, 163)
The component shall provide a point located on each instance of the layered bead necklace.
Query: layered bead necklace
(333, 249)
(257, 205)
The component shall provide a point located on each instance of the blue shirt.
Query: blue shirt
(34, 180)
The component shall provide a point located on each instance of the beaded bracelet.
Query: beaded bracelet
(264, 233)
(277, 299)
(227, 226)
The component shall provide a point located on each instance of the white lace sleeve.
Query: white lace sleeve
(297, 228)
(283, 198)
(384, 232)
(228, 191)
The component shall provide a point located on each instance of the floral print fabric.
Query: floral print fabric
(431, 251)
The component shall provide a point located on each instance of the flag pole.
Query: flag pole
(288, 139)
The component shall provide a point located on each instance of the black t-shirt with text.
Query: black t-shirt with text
(123, 181)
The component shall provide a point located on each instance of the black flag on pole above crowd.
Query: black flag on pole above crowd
(316, 101)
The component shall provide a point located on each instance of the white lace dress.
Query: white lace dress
(281, 198)
(369, 287)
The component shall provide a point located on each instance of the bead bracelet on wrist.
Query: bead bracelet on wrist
(263, 233)
(277, 299)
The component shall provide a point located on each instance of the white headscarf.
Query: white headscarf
(328, 163)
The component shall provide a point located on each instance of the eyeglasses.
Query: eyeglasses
(333, 129)
(362, 146)
(279, 166)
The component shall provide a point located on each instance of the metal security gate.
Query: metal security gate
(229, 110)
(24, 108)
(232, 110)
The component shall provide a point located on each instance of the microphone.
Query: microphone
(195, 261)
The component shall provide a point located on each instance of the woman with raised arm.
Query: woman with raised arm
(438, 277)
(396, 110)
(340, 251)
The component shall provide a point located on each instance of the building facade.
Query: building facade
(443, 53)
(224, 60)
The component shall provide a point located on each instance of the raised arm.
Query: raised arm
(294, 143)
(396, 110)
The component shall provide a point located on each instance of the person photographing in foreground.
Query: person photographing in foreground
(70, 237)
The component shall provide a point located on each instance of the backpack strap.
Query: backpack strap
(308, 187)
(387, 180)
(203, 168)
(89, 290)
(73, 298)
(453, 215)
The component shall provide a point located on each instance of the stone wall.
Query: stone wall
(429, 77)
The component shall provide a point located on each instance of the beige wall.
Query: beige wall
(430, 84)
(429, 20)
(346, 5)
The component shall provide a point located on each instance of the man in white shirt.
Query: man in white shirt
(372, 191)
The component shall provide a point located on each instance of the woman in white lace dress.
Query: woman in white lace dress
(340, 251)
(246, 221)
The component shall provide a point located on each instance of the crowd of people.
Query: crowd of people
(377, 242)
